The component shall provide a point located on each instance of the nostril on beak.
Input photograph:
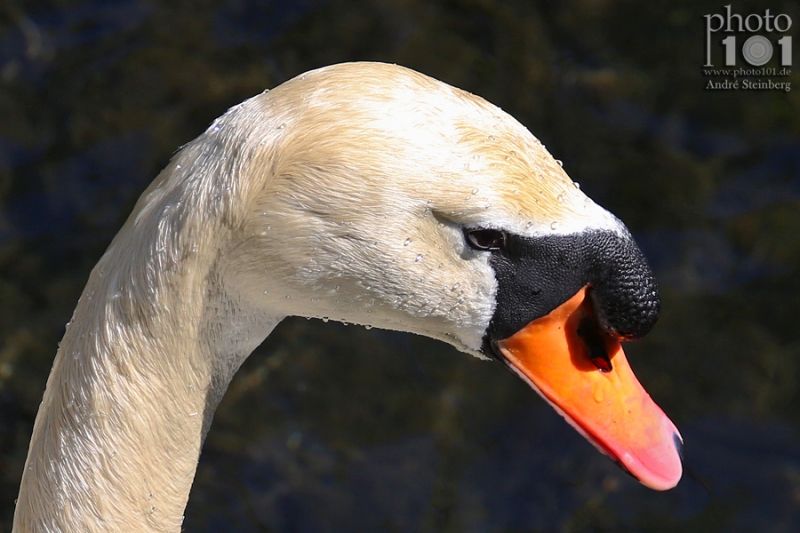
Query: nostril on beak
(589, 331)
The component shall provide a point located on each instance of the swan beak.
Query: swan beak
(582, 372)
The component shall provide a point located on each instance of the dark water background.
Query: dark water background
(330, 428)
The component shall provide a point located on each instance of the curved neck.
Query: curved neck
(154, 341)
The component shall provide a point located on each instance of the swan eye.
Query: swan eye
(485, 239)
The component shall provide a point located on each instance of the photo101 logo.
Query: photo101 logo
(747, 51)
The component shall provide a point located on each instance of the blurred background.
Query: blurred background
(330, 428)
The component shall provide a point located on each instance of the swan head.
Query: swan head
(376, 195)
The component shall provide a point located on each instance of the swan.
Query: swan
(362, 192)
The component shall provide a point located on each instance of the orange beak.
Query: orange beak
(582, 372)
